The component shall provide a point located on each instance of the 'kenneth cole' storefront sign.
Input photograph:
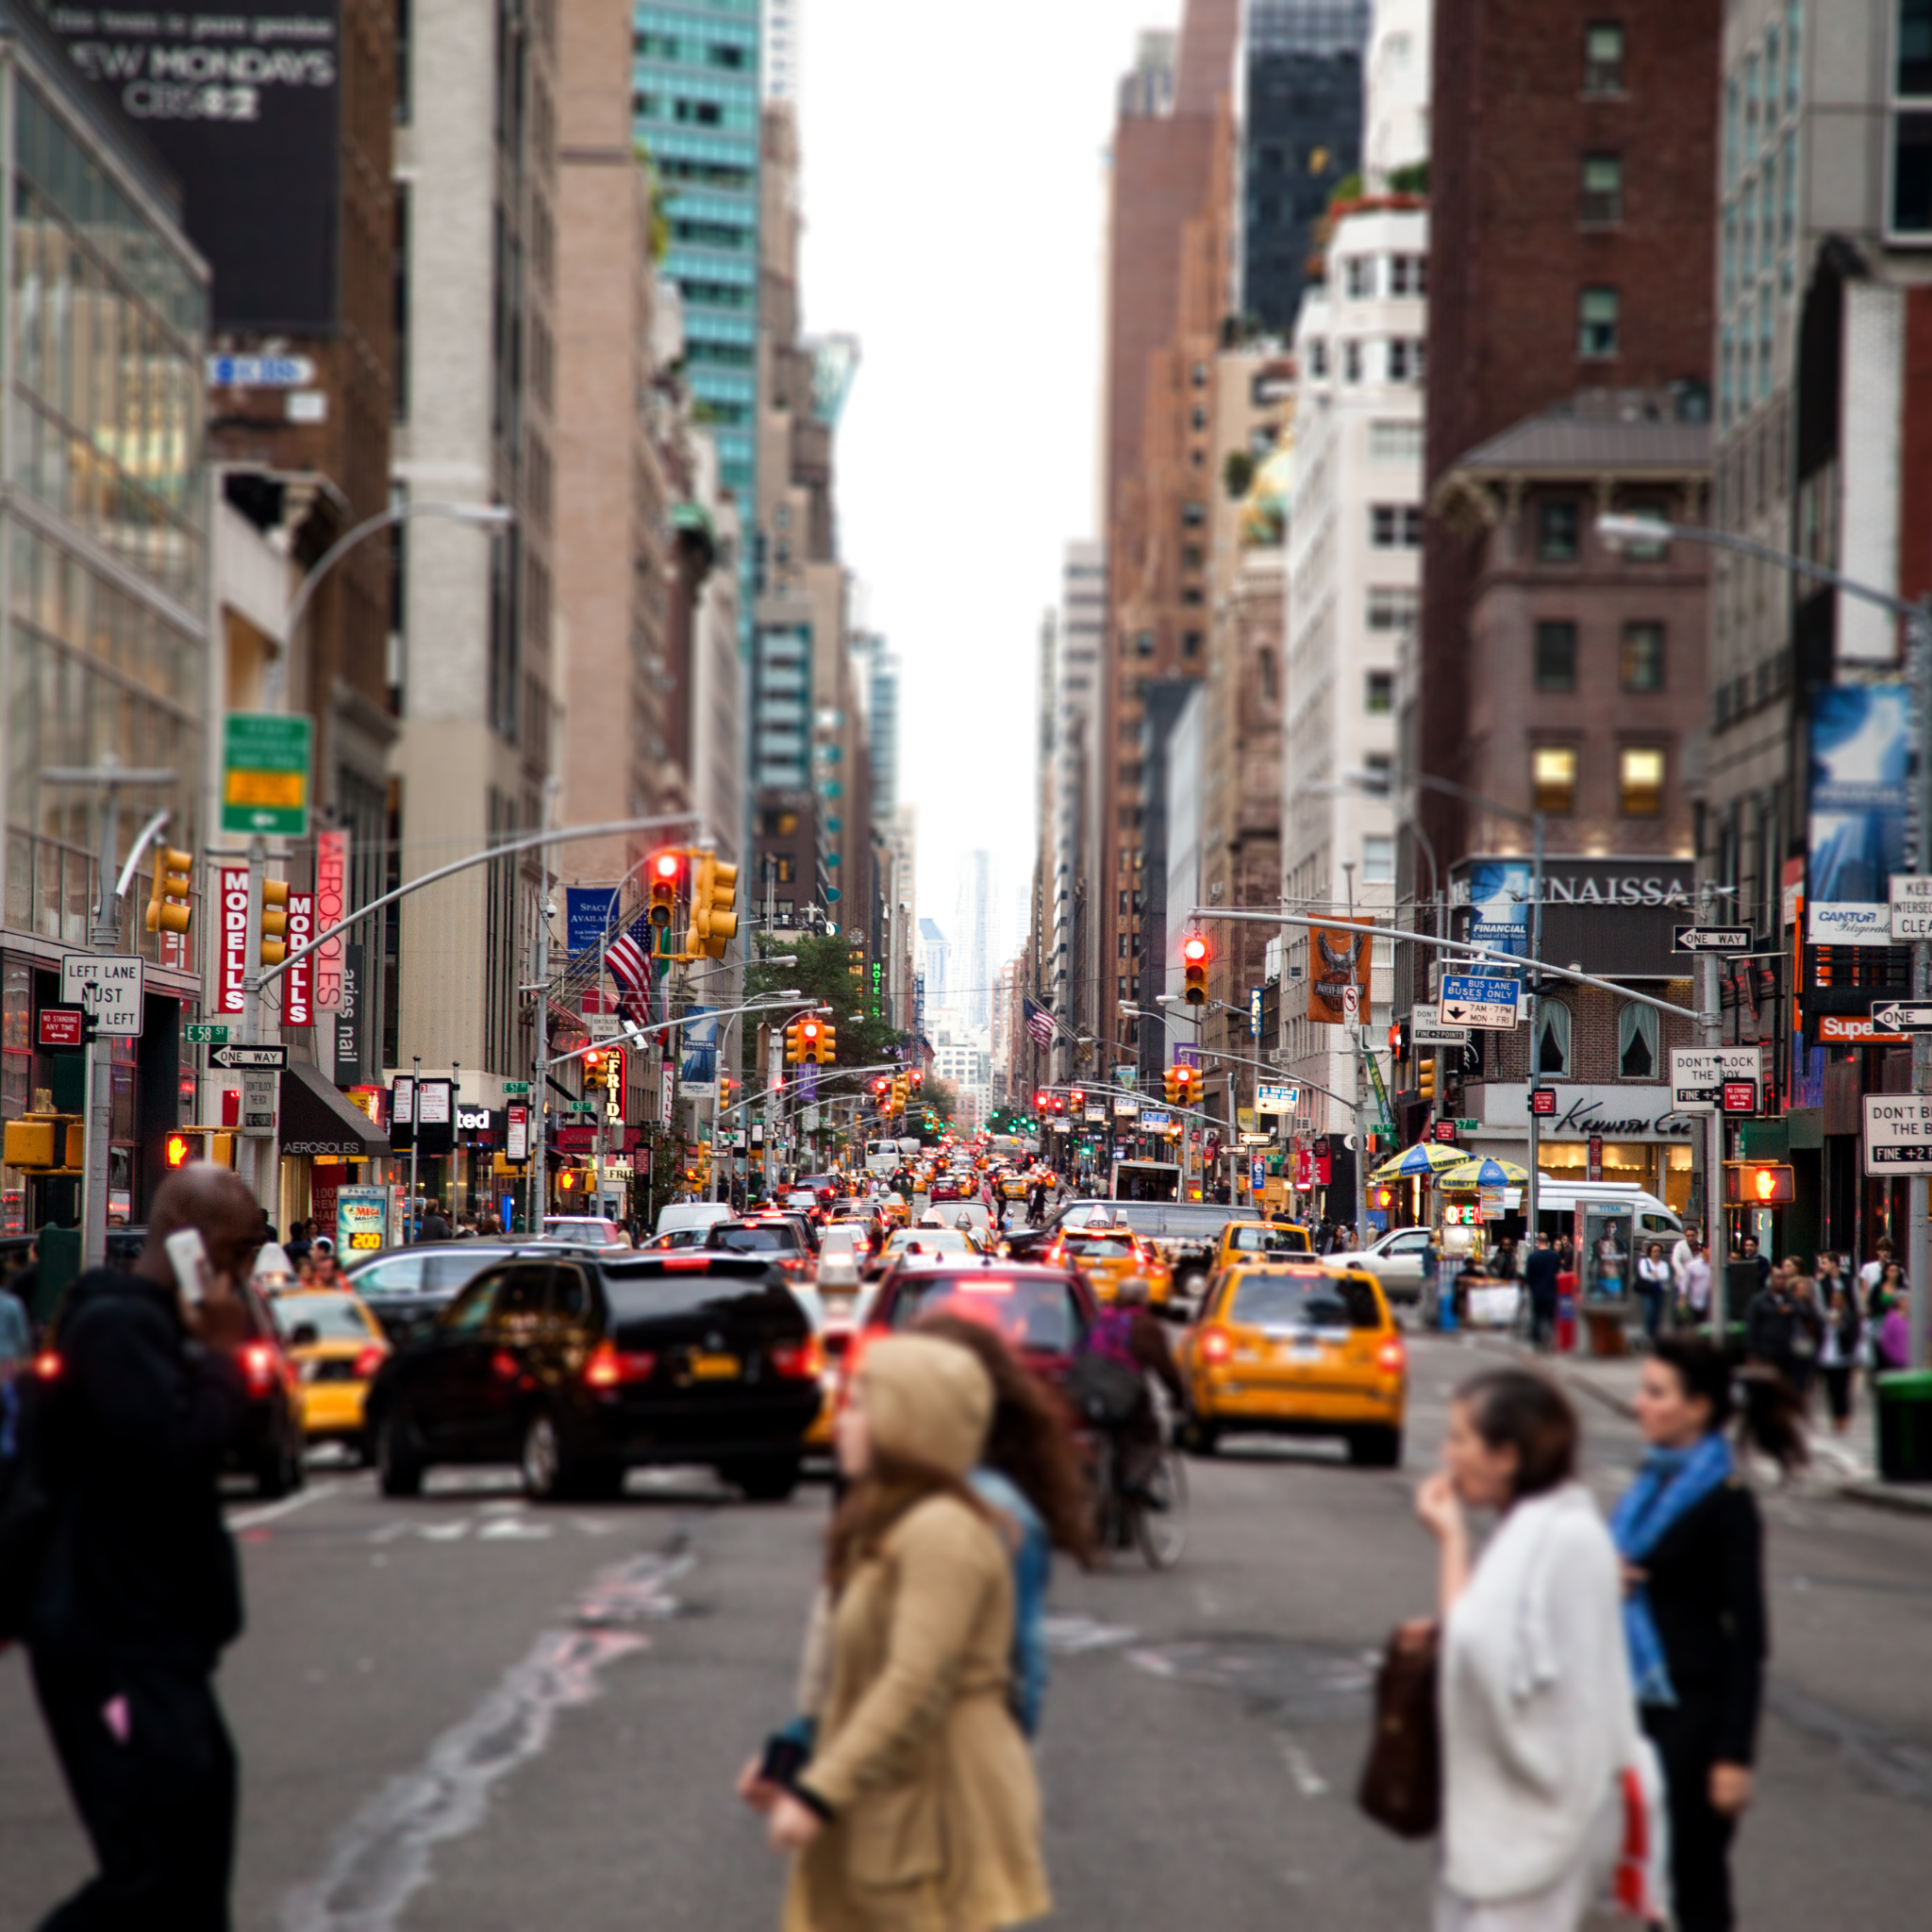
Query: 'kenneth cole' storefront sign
(1618, 1113)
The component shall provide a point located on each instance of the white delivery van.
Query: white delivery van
(677, 1215)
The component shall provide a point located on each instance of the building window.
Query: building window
(1358, 271)
(1637, 1042)
(1351, 360)
(1601, 203)
(1912, 122)
(1641, 781)
(1553, 1039)
(1190, 641)
(1391, 607)
(1395, 525)
(1379, 693)
(1602, 58)
(1378, 861)
(1552, 778)
(1596, 323)
(1642, 661)
(1395, 443)
(1318, 357)
(1406, 359)
(1558, 529)
(1193, 514)
(1555, 655)
(1408, 274)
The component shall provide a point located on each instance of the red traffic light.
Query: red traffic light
(1040, 1101)
(1760, 1184)
(665, 865)
(1194, 949)
(881, 1085)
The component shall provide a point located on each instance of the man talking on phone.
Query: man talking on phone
(139, 1590)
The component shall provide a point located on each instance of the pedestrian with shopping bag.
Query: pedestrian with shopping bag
(917, 1809)
(1538, 1738)
(1691, 1545)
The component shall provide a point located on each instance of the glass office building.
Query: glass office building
(694, 104)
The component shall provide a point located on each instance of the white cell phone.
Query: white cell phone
(188, 1255)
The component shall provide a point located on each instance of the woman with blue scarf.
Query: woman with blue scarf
(1692, 1540)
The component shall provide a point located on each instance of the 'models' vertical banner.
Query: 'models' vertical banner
(298, 982)
(234, 937)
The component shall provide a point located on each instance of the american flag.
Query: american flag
(628, 956)
(1039, 1022)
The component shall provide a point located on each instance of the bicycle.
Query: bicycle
(1155, 1522)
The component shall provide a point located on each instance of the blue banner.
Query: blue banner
(1861, 792)
(1499, 896)
(586, 912)
(700, 1048)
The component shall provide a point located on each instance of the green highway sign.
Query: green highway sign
(516, 1085)
(207, 1036)
(268, 762)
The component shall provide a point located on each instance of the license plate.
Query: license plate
(1304, 1348)
(715, 1367)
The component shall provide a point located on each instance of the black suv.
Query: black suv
(576, 1367)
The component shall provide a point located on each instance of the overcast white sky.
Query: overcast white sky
(954, 168)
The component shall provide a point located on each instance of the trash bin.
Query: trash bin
(1904, 1425)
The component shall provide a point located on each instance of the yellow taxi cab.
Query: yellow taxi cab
(1015, 1187)
(1252, 1240)
(895, 1211)
(1107, 1255)
(1293, 1350)
(336, 1346)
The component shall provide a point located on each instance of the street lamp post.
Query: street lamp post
(1917, 619)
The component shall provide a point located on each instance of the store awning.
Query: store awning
(320, 1120)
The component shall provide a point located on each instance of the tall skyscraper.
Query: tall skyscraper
(1301, 138)
(783, 24)
(935, 970)
(978, 909)
(694, 104)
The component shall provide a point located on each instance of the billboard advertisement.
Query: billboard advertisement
(1338, 958)
(244, 109)
(1499, 896)
(699, 1078)
(1862, 742)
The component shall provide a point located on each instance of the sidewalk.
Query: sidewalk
(1841, 1465)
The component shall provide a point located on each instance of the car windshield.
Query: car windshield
(334, 1316)
(1039, 1314)
(1304, 1301)
(929, 1241)
(772, 1238)
(652, 1296)
(1252, 1238)
(1101, 1247)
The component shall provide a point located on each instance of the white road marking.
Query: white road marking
(510, 1529)
(1301, 1767)
(1073, 1634)
(382, 1856)
(274, 1513)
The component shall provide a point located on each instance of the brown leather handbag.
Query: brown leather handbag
(1402, 1781)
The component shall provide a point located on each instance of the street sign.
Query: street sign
(603, 1025)
(1425, 1029)
(516, 1085)
(516, 1130)
(259, 1090)
(233, 1056)
(1895, 1016)
(205, 1034)
(1466, 1125)
(1446, 1130)
(260, 372)
(1269, 1098)
(1093, 1113)
(1351, 1001)
(1258, 1139)
(63, 1027)
(1152, 1120)
(1542, 1100)
(267, 764)
(1898, 1133)
(1738, 1096)
(1912, 906)
(1124, 1103)
(109, 987)
(1698, 1076)
(1469, 1001)
(1710, 938)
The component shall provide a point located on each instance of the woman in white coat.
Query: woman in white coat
(1535, 1687)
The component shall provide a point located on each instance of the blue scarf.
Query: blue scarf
(1671, 1484)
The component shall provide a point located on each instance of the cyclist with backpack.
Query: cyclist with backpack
(1108, 1384)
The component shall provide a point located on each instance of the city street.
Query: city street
(464, 1712)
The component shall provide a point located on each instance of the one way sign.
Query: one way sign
(1710, 938)
(233, 1056)
(1896, 1016)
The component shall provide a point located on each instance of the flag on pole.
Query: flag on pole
(1039, 1022)
(628, 956)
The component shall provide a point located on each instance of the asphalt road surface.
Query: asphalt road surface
(464, 1713)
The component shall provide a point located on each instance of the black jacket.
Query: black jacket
(1707, 1593)
(141, 1566)
(1771, 1324)
(1539, 1271)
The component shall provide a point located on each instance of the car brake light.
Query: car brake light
(801, 1362)
(257, 1367)
(1392, 1358)
(47, 1365)
(1216, 1345)
(610, 1367)
(686, 1261)
(369, 1361)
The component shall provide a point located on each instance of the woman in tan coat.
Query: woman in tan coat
(918, 1811)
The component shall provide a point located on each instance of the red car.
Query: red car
(946, 1187)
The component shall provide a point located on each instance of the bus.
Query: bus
(883, 1157)
(1146, 1180)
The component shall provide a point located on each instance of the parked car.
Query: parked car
(585, 1231)
(578, 1368)
(1395, 1260)
(404, 1286)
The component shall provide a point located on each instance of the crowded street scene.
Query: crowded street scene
(966, 971)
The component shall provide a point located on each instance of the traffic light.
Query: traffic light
(1195, 958)
(902, 1093)
(1758, 1183)
(713, 893)
(1398, 1038)
(1040, 1101)
(593, 1067)
(663, 888)
(186, 1144)
(168, 907)
(809, 1031)
(275, 921)
(1425, 1076)
(881, 1090)
(828, 1042)
(1078, 1099)
(46, 1142)
(794, 1045)
(1171, 1085)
